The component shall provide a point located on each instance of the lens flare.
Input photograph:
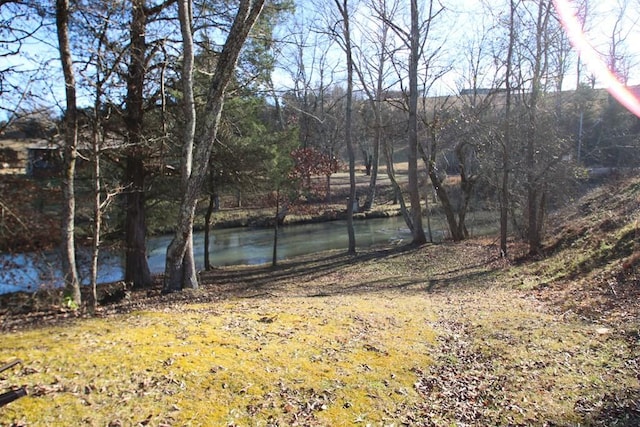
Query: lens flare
(592, 59)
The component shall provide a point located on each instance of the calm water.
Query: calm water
(236, 246)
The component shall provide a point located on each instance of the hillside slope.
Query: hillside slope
(591, 262)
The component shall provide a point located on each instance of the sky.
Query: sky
(464, 18)
(615, 27)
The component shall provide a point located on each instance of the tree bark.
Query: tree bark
(534, 229)
(136, 265)
(456, 226)
(506, 143)
(97, 216)
(211, 207)
(373, 178)
(396, 187)
(346, 34)
(414, 189)
(97, 137)
(188, 270)
(248, 13)
(443, 196)
(69, 269)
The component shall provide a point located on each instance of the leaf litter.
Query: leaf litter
(431, 336)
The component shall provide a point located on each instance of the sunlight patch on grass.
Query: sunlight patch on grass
(329, 361)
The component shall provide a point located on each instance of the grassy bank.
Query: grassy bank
(437, 335)
(426, 336)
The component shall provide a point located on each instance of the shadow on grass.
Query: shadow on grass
(307, 268)
(308, 276)
(618, 408)
(404, 269)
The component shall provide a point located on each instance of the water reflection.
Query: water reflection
(237, 246)
(255, 246)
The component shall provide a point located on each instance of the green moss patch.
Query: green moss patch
(324, 361)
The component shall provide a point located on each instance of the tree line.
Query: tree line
(198, 96)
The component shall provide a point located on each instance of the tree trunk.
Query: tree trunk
(414, 189)
(396, 187)
(428, 217)
(136, 265)
(97, 209)
(248, 12)
(276, 220)
(69, 269)
(186, 271)
(534, 228)
(456, 234)
(441, 192)
(207, 221)
(542, 209)
(346, 32)
(174, 276)
(373, 178)
(328, 188)
(467, 184)
(97, 137)
(367, 162)
(506, 143)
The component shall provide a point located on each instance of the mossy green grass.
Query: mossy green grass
(329, 360)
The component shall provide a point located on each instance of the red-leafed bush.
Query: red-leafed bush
(311, 162)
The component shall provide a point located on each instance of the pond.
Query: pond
(234, 246)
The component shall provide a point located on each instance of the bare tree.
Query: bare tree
(618, 58)
(72, 283)
(136, 266)
(506, 142)
(23, 80)
(461, 127)
(246, 16)
(189, 278)
(381, 103)
(370, 67)
(414, 186)
(536, 196)
(97, 27)
(444, 127)
(531, 146)
(315, 102)
(414, 41)
(345, 42)
(582, 15)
